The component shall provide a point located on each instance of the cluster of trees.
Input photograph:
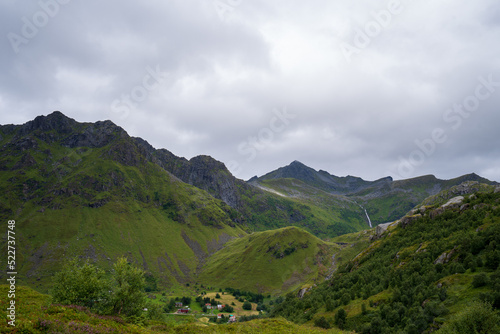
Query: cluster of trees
(85, 284)
(170, 307)
(404, 267)
(246, 295)
(203, 301)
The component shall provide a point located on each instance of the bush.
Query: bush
(477, 318)
(155, 312)
(480, 280)
(322, 322)
(247, 306)
(80, 284)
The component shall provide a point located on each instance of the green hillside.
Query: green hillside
(270, 262)
(92, 191)
(318, 212)
(321, 213)
(101, 201)
(385, 200)
(440, 267)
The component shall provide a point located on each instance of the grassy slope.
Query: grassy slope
(404, 195)
(259, 262)
(83, 202)
(406, 256)
(330, 215)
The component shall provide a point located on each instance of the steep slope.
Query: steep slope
(343, 214)
(384, 200)
(274, 261)
(433, 269)
(257, 208)
(86, 189)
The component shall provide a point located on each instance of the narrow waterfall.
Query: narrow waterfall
(369, 221)
(366, 213)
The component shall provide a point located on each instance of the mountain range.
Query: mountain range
(91, 190)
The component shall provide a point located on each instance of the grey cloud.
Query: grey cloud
(222, 77)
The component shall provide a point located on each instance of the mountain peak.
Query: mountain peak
(54, 121)
(297, 163)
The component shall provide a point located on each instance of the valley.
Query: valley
(309, 251)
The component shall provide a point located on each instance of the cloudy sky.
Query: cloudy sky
(367, 88)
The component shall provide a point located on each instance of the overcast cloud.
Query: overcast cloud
(367, 88)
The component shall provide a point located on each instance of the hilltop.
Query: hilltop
(270, 262)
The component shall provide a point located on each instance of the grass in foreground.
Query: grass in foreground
(35, 314)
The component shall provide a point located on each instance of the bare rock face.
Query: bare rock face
(408, 220)
(302, 292)
(436, 212)
(453, 203)
(445, 257)
(202, 171)
(381, 228)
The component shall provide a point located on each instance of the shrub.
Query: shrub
(82, 285)
(247, 306)
(480, 280)
(322, 322)
(478, 317)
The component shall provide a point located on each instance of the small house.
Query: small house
(178, 304)
(219, 316)
(232, 318)
(220, 307)
(183, 310)
(208, 306)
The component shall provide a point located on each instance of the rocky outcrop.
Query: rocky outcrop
(202, 171)
(445, 257)
(381, 228)
(96, 135)
(453, 203)
(408, 220)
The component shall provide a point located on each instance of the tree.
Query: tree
(186, 301)
(217, 296)
(128, 295)
(247, 305)
(77, 284)
(170, 307)
(228, 309)
(340, 318)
